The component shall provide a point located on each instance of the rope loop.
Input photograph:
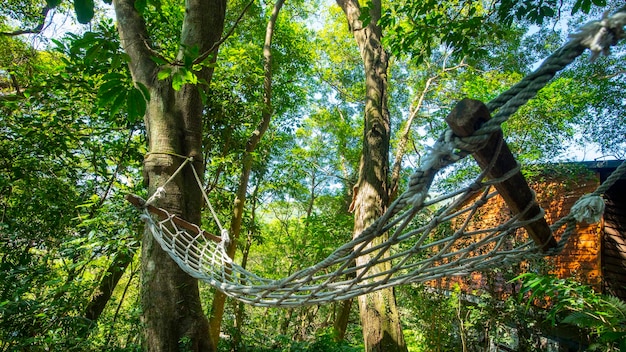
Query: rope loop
(158, 194)
(589, 208)
(600, 35)
(225, 238)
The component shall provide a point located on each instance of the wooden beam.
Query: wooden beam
(467, 116)
(163, 214)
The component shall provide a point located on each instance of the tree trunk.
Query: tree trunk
(341, 322)
(217, 308)
(379, 315)
(240, 306)
(107, 285)
(172, 313)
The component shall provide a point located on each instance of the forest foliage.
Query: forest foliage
(72, 143)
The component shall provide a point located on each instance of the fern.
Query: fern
(583, 320)
(603, 316)
(618, 306)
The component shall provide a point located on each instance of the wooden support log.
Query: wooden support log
(140, 203)
(467, 116)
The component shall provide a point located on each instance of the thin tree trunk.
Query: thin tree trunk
(341, 322)
(406, 134)
(379, 315)
(340, 325)
(172, 313)
(240, 306)
(109, 281)
(217, 308)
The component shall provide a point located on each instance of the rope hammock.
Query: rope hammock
(416, 248)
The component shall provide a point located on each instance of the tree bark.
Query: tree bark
(107, 285)
(379, 315)
(240, 306)
(219, 300)
(172, 312)
(341, 322)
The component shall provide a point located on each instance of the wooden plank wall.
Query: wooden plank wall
(614, 243)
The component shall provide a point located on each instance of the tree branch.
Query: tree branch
(404, 139)
(612, 75)
(267, 81)
(219, 299)
(135, 41)
(215, 45)
(36, 30)
(401, 149)
(353, 13)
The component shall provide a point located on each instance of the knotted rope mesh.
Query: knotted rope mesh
(429, 235)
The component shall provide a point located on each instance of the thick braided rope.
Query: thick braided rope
(336, 278)
(511, 100)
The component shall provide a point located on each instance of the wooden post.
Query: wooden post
(466, 117)
(139, 203)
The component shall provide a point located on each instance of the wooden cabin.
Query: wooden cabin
(595, 253)
(612, 247)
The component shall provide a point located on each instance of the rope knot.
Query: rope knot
(441, 153)
(159, 193)
(145, 217)
(599, 36)
(589, 208)
(225, 238)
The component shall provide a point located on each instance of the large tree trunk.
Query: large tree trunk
(379, 315)
(172, 314)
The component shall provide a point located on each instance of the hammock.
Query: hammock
(416, 249)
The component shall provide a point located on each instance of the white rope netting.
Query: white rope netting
(430, 236)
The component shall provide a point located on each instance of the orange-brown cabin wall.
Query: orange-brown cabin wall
(580, 258)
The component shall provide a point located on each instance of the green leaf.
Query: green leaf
(136, 104)
(113, 84)
(365, 17)
(158, 60)
(93, 52)
(177, 81)
(140, 5)
(106, 97)
(53, 3)
(109, 90)
(586, 6)
(84, 10)
(112, 76)
(144, 91)
(164, 73)
(203, 95)
(118, 102)
(190, 77)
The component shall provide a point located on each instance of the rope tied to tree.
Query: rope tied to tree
(160, 193)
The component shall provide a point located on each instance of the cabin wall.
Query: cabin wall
(613, 260)
(580, 258)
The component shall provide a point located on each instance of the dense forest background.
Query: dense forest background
(276, 120)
